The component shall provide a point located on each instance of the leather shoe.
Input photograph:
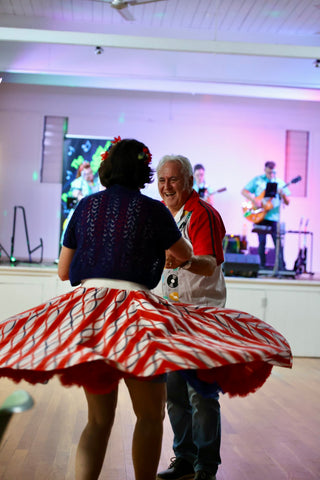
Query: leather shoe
(179, 469)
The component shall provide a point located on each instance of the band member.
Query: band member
(266, 201)
(84, 184)
(200, 185)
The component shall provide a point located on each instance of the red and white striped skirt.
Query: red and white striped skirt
(93, 336)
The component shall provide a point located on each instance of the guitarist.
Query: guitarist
(254, 191)
(200, 185)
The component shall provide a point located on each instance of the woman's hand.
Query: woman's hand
(171, 261)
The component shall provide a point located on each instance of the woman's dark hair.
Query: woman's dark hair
(127, 164)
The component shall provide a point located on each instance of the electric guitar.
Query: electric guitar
(202, 191)
(220, 190)
(256, 215)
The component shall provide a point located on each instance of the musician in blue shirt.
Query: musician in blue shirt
(268, 206)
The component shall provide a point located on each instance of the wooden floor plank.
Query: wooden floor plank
(273, 433)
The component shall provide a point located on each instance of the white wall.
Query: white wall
(231, 136)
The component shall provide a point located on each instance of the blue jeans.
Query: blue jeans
(196, 424)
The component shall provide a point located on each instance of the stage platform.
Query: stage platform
(291, 305)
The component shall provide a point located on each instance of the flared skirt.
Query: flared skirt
(92, 337)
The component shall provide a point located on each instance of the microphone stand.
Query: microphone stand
(275, 272)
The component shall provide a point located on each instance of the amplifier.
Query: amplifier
(241, 265)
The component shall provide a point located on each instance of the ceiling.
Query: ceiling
(236, 47)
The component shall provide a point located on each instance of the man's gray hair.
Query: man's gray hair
(186, 167)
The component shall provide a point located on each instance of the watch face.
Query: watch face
(187, 265)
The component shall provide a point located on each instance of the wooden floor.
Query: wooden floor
(272, 434)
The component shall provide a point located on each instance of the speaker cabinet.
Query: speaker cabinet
(241, 265)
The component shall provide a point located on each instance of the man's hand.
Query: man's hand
(284, 197)
(256, 203)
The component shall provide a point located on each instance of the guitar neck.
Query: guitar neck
(223, 189)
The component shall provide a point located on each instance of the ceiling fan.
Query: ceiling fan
(122, 6)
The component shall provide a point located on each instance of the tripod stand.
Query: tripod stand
(27, 235)
(11, 256)
(2, 249)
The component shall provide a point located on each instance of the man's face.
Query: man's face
(199, 176)
(172, 186)
(270, 173)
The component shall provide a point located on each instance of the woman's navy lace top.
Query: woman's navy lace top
(120, 234)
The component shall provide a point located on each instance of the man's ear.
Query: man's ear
(191, 181)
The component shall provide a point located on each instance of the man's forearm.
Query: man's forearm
(203, 265)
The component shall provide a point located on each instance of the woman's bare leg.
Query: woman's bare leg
(148, 400)
(94, 438)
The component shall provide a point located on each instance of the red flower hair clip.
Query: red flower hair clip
(145, 155)
(105, 154)
(116, 140)
(148, 154)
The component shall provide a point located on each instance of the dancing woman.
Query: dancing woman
(111, 326)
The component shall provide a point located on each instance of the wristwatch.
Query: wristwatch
(186, 265)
